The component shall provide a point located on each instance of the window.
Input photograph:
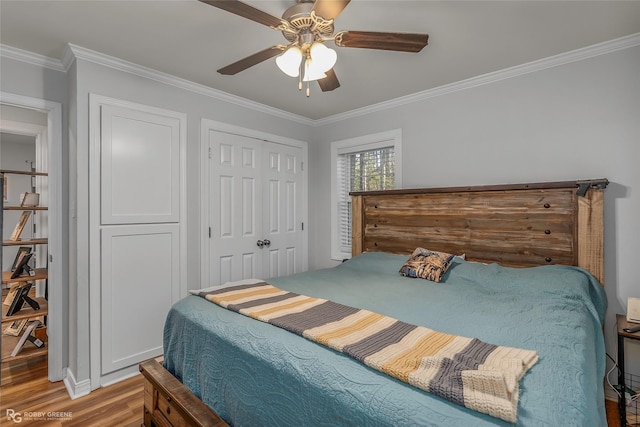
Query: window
(366, 163)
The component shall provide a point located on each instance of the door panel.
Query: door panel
(140, 165)
(139, 270)
(234, 206)
(273, 199)
(283, 226)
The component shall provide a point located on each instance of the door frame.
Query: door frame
(207, 125)
(49, 144)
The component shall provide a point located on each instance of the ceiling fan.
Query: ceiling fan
(307, 26)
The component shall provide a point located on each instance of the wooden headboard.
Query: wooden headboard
(518, 225)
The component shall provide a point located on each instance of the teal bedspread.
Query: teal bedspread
(254, 374)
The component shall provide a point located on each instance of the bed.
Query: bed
(531, 278)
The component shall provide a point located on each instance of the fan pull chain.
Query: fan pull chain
(308, 91)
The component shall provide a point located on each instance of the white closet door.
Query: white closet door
(254, 196)
(235, 206)
(282, 224)
(139, 273)
(138, 248)
(140, 162)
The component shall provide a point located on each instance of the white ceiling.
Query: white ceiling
(191, 40)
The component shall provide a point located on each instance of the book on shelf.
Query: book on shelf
(22, 222)
(25, 337)
(40, 332)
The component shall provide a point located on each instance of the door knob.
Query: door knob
(265, 242)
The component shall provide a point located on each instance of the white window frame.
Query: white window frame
(353, 145)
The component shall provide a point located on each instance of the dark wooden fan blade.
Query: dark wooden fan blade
(242, 9)
(330, 82)
(329, 9)
(251, 60)
(403, 42)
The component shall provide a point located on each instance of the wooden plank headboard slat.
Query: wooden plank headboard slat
(591, 233)
(520, 225)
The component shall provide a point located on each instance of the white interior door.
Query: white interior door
(235, 206)
(254, 208)
(282, 224)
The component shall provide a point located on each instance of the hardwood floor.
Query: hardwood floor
(25, 388)
(613, 415)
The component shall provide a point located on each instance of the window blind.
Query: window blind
(366, 170)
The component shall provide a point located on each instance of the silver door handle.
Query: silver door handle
(265, 242)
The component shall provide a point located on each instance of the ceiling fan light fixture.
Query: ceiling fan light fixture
(307, 25)
(323, 57)
(312, 71)
(289, 62)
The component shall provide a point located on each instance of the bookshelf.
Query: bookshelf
(29, 242)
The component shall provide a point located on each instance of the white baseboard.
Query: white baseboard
(74, 388)
(124, 374)
(121, 375)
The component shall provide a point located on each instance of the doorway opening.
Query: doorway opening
(37, 125)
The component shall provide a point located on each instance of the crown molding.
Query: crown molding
(77, 52)
(68, 57)
(507, 73)
(31, 58)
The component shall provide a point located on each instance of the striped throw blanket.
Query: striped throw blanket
(480, 376)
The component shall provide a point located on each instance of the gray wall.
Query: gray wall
(575, 121)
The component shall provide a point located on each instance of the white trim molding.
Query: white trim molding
(11, 52)
(74, 388)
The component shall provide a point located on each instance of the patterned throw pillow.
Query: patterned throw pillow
(426, 264)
